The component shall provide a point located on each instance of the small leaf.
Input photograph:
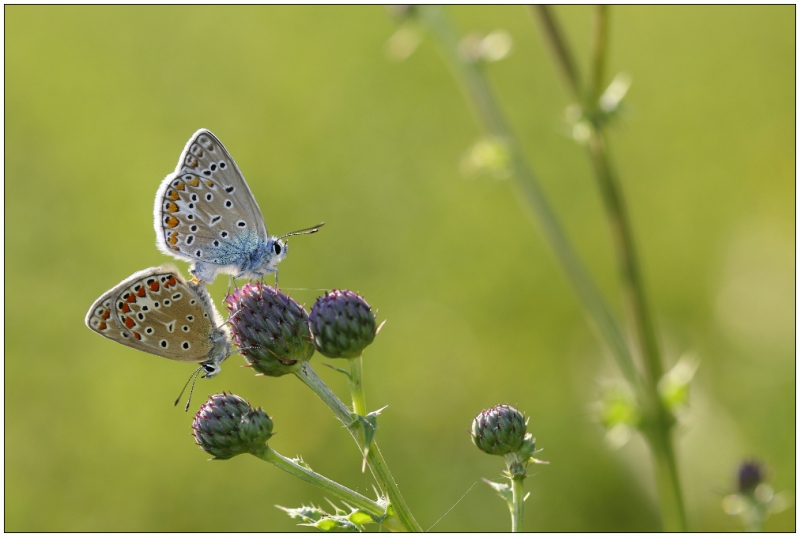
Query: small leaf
(503, 490)
(334, 524)
(360, 518)
(300, 462)
(304, 513)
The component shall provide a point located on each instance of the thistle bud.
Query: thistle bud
(499, 430)
(271, 328)
(750, 475)
(342, 324)
(226, 426)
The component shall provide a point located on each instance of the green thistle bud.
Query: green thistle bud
(342, 324)
(226, 426)
(499, 430)
(272, 327)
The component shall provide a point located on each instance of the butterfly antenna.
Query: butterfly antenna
(192, 376)
(306, 231)
(191, 391)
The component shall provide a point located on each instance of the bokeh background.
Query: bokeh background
(100, 101)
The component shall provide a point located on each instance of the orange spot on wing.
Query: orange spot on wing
(126, 308)
(172, 281)
(173, 238)
(131, 298)
(129, 322)
(180, 186)
(137, 335)
(101, 326)
(172, 207)
(209, 182)
(106, 314)
(154, 286)
(194, 181)
(141, 292)
(172, 221)
(173, 195)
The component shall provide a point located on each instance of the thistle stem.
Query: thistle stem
(357, 386)
(343, 493)
(658, 420)
(375, 460)
(517, 503)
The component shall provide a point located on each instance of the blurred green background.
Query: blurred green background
(100, 101)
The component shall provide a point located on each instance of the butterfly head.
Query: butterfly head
(211, 369)
(279, 249)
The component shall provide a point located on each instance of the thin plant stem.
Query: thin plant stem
(517, 503)
(341, 492)
(565, 59)
(357, 386)
(658, 421)
(375, 460)
(599, 41)
(488, 114)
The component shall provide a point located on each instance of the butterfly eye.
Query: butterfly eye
(276, 247)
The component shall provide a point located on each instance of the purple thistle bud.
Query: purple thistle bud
(750, 475)
(342, 324)
(499, 430)
(226, 426)
(271, 327)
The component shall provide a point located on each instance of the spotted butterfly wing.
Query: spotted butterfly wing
(206, 214)
(157, 311)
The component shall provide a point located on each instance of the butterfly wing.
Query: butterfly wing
(100, 319)
(204, 203)
(156, 311)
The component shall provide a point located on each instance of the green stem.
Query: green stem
(488, 113)
(758, 513)
(375, 460)
(670, 497)
(332, 487)
(658, 420)
(559, 48)
(518, 503)
(599, 40)
(357, 386)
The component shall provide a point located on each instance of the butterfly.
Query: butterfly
(206, 214)
(157, 311)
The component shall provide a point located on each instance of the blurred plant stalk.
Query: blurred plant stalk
(657, 421)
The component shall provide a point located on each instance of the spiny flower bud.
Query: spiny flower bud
(342, 324)
(226, 426)
(499, 430)
(272, 327)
